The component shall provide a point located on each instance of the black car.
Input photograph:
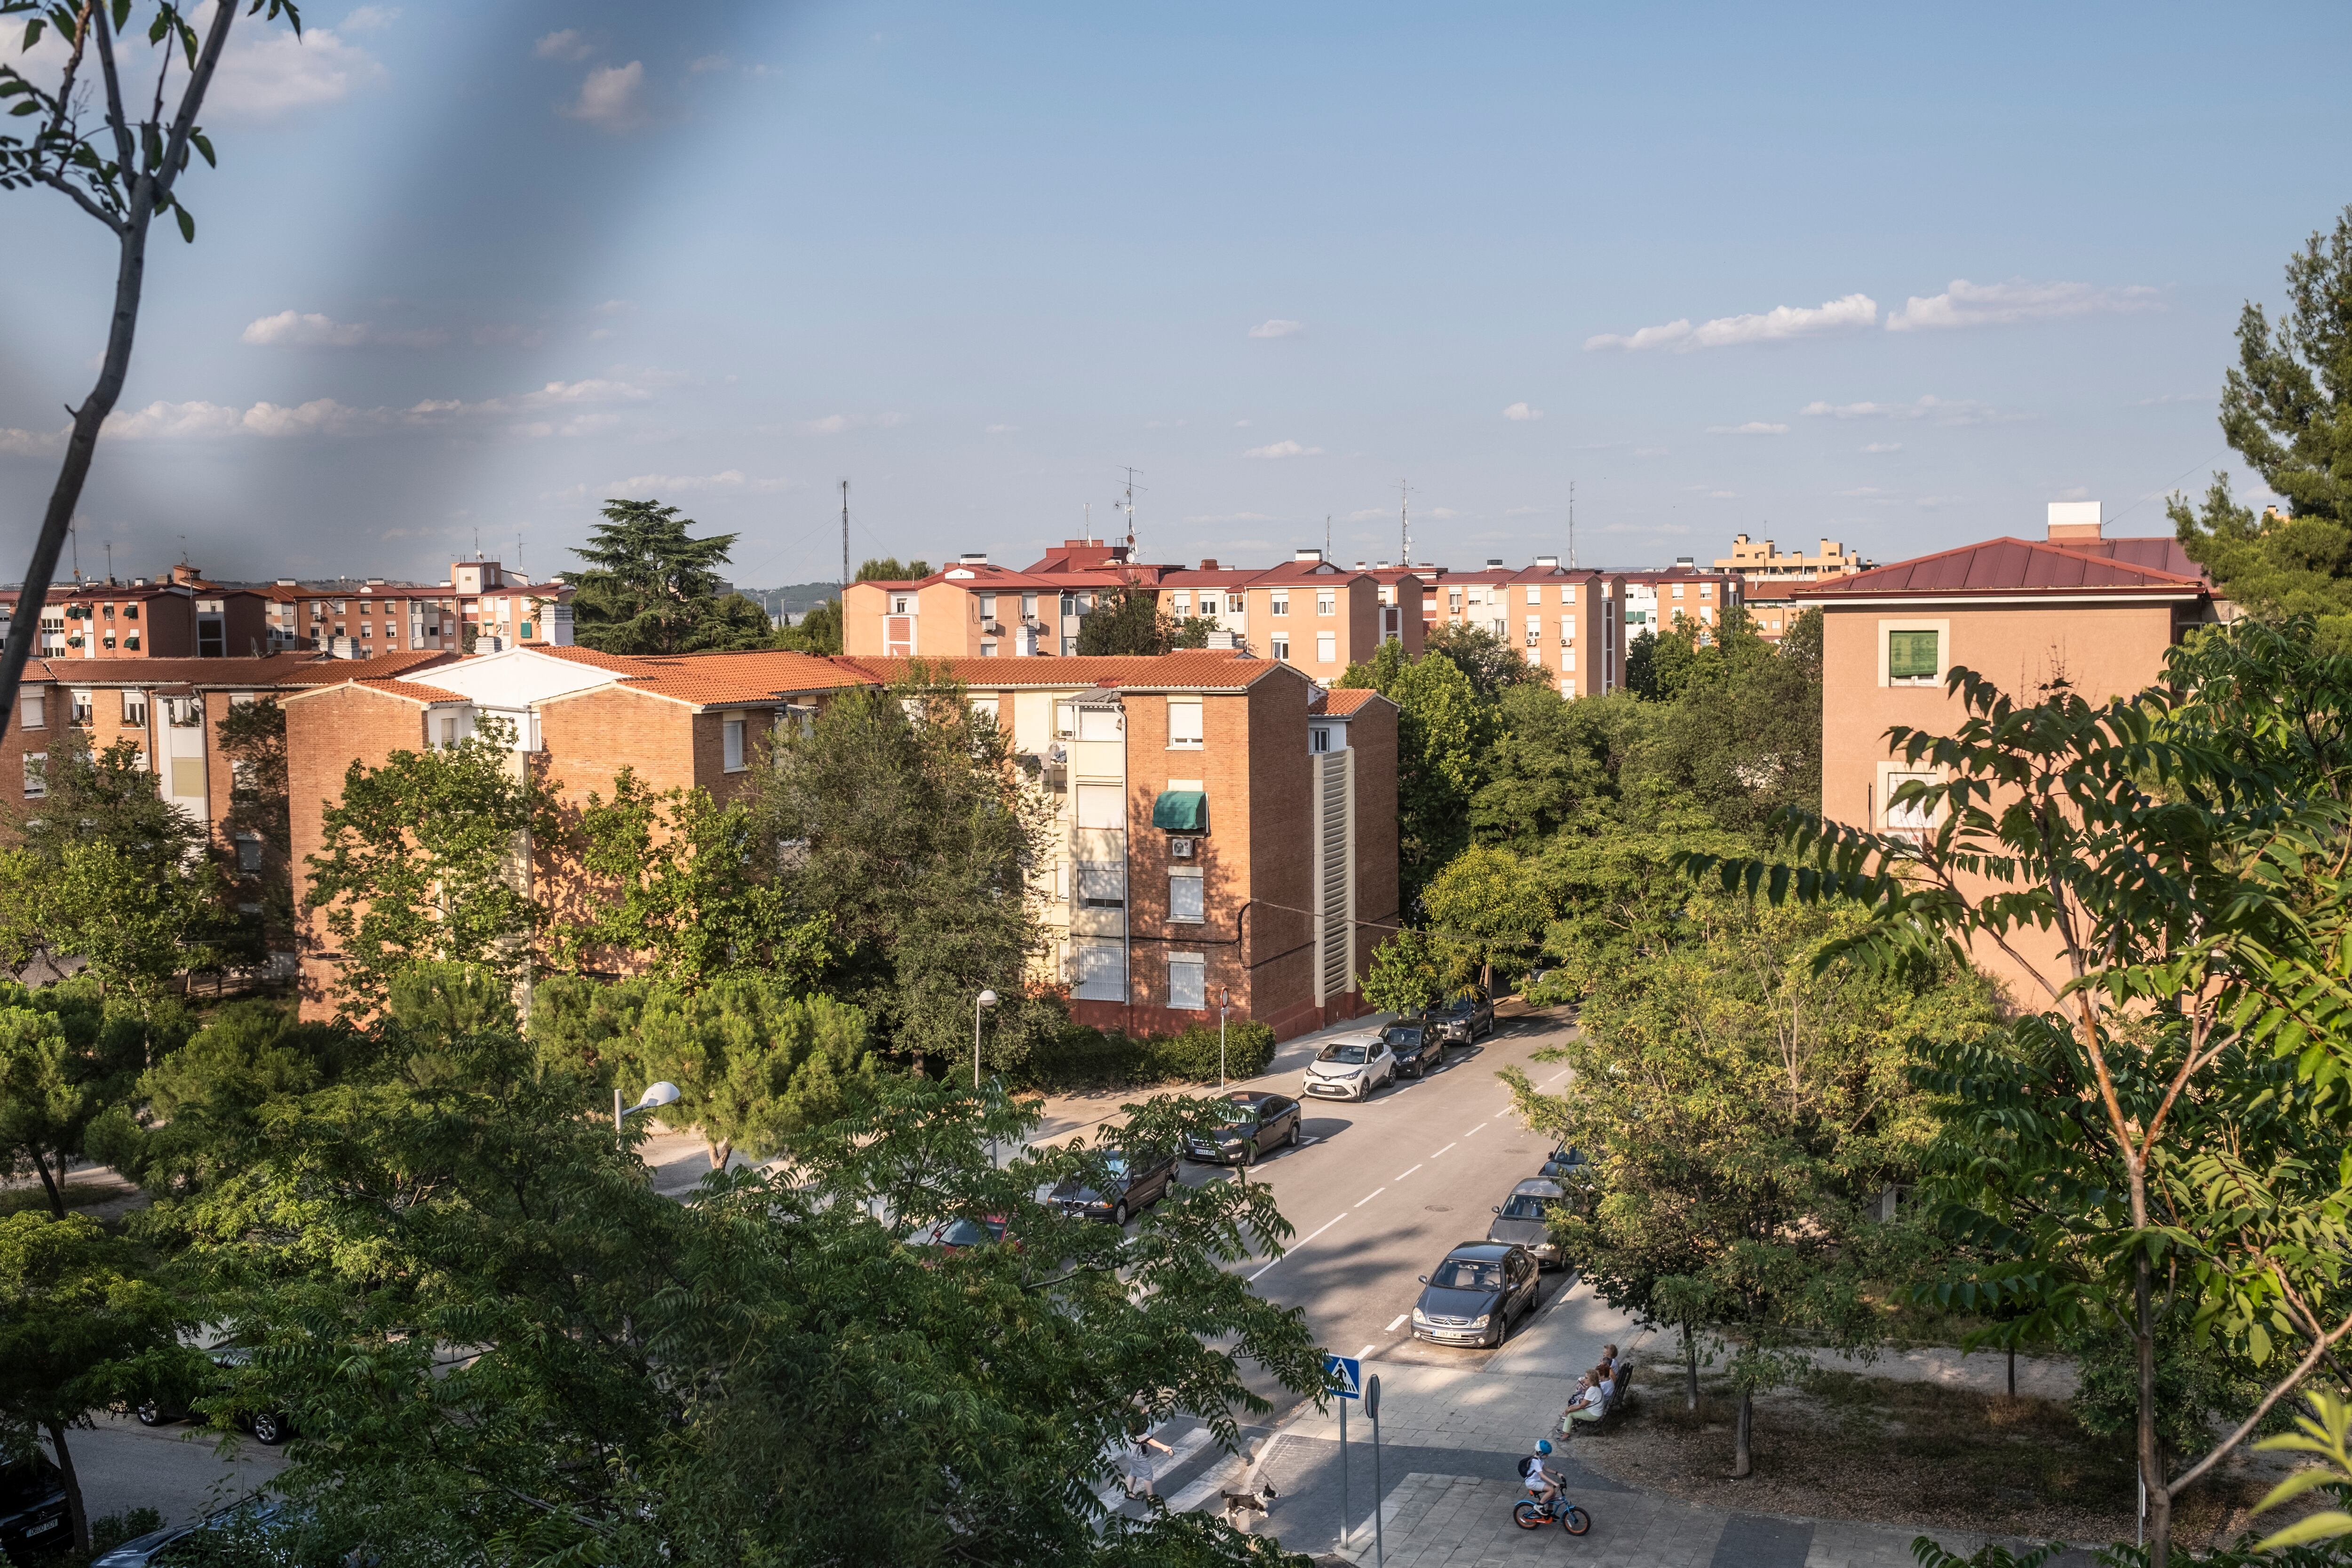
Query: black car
(1465, 1018)
(34, 1519)
(1476, 1292)
(1254, 1123)
(1564, 1162)
(1124, 1189)
(268, 1427)
(1418, 1048)
(1521, 1220)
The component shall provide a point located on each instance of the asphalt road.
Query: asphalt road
(177, 1470)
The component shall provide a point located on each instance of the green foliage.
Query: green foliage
(913, 833)
(1487, 911)
(1129, 620)
(889, 569)
(1739, 730)
(2323, 1433)
(81, 1326)
(1742, 1097)
(777, 1371)
(818, 632)
(2197, 1384)
(1554, 766)
(1444, 730)
(753, 1063)
(651, 587)
(1078, 1055)
(1192, 1057)
(1404, 975)
(1641, 664)
(63, 1064)
(1493, 666)
(421, 863)
(252, 736)
(687, 886)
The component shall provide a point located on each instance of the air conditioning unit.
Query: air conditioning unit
(1179, 849)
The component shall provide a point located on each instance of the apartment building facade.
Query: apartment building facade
(480, 600)
(1567, 621)
(1654, 601)
(2099, 614)
(1222, 827)
(140, 619)
(1763, 566)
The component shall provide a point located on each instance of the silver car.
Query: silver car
(1521, 1219)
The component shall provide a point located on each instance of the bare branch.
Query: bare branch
(192, 97)
(2221, 1451)
(81, 199)
(126, 154)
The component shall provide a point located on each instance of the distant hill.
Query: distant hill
(796, 598)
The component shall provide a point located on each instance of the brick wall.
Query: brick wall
(1280, 945)
(1372, 736)
(326, 732)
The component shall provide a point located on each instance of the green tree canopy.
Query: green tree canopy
(1443, 730)
(818, 632)
(1129, 620)
(651, 587)
(890, 569)
(1487, 910)
(64, 1063)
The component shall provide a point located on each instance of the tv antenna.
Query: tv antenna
(1326, 536)
(845, 538)
(1131, 470)
(1404, 521)
(1571, 525)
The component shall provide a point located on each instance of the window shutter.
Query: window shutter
(1911, 656)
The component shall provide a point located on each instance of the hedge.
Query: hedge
(1081, 1057)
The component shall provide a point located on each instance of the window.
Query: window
(1028, 606)
(1319, 738)
(1069, 604)
(1568, 631)
(1102, 885)
(33, 710)
(448, 728)
(1102, 807)
(1185, 901)
(1706, 590)
(1183, 724)
(987, 606)
(1234, 604)
(1188, 980)
(1280, 603)
(1911, 816)
(1454, 600)
(1567, 593)
(134, 708)
(902, 603)
(1327, 647)
(1282, 649)
(1327, 602)
(248, 852)
(1535, 631)
(1180, 605)
(1069, 647)
(130, 612)
(1678, 590)
(1099, 723)
(731, 733)
(1098, 971)
(81, 708)
(1911, 657)
(35, 766)
(1535, 593)
(984, 708)
(1065, 721)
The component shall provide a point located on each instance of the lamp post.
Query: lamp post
(655, 1096)
(1225, 1000)
(985, 999)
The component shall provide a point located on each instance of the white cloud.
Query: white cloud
(1780, 322)
(567, 45)
(32, 442)
(1000, 430)
(371, 18)
(1649, 451)
(1277, 327)
(268, 72)
(2076, 492)
(201, 420)
(1864, 492)
(1284, 449)
(831, 424)
(1942, 411)
(1966, 304)
(1883, 446)
(615, 307)
(295, 329)
(1723, 495)
(205, 421)
(1753, 428)
(708, 63)
(611, 97)
(2174, 397)
(732, 479)
(1521, 411)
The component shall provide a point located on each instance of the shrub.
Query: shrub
(1077, 1056)
(1192, 1057)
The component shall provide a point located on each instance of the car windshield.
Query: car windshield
(1115, 1163)
(1235, 1114)
(1348, 1051)
(1460, 1008)
(25, 1481)
(1465, 1274)
(1396, 1037)
(966, 1233)
(1527, 1205)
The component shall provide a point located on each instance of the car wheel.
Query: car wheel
(1248, 1153)
(1118, 1211)
(149, 1414)
(1290, 1138)
(269, 1430)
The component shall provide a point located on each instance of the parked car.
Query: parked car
(33, 1516)
(1465, 1018)
(1519, 1220)
(1254, 1123)
(1418, 1048)
(246, 1525)
(268, 1427)
(1476, 1292)
(1124, 1189)
(1352, 1067)
(956, 1234)
(1563, 1161)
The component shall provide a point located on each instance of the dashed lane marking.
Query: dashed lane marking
(1368, 1197)
(1440, 1152)
(1393, 1328)
(1400, 1175)
(1327, 1224)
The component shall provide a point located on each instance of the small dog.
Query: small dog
(1239, 1506)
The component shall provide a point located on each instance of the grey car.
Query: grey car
(1476, 1292)
(1465, 1018)
(1519, 1220)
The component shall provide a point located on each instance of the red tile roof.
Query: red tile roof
(277, 669)
(1207, 669)
(414, 691)
(756, 676)
(1343, 701)
(2010, 566)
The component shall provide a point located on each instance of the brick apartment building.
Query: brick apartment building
(177, 615)
(2100, 613)
(1654, 601)
(481, 599)
(1567, 621)
(1221, 825)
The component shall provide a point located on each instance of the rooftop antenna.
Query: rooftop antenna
(478, 544)
(1404, 518)
(1326, 536)
(1087, 523)
(76, 549)
(1131, 472)
(1571, 525)
(845, 540)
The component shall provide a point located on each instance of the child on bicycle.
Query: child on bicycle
(1536, 1471)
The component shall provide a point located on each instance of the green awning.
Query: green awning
(1181, 811)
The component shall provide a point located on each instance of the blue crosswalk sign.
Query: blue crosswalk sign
(1346, 1374)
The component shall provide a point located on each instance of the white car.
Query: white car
(1352, 1067)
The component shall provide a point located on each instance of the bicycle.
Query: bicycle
(1532, 1515)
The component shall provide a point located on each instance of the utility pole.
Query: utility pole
(1131, 471)
(1404, 521)
(109, 561)
(1326, 536)
(845, 542)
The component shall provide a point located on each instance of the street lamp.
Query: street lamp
(1225, 1000)
(985, 999)
(659, 1095)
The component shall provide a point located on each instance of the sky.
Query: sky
(1894, 276)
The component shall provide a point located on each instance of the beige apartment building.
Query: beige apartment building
(481, 600)
(1567, 621)
(2099, 614)
(1762, 566)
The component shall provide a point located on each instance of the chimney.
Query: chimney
(1493, 562)
(1548, 563)
(1683, 563)
(2075, 519)
(1210, 565)
(1315, 555)
(973, 558)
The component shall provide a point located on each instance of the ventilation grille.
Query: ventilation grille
(1337, 928)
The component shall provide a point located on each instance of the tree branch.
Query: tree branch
(2302, 1370)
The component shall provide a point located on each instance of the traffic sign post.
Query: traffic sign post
(1347, 1381)
(1372, 1408)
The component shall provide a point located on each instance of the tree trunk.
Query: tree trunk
(721, 1150)
(73, 1485)
(1742, 1457)
(2152, 1456)
(1690, 1371)
(54, 1186)
(2012, 1371)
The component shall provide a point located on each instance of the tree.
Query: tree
(819, 631)
(782, 1371)
(1443, 730)
(1554, 765)
(62, 1064)
(1404, 977)
(1739, 729)
(1129, 620)
(1642, 664)
(2286, 409)
(422, 861)
(1493, 665)
(123, 172)
(916, 837)
(111, 873)
(650, 587)
(889, 569)
(1742, 1109)
(81, 1326)
(259, 823)
(1486, 912)
(681, 882)
(2158, 1146)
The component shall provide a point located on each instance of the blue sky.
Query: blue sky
(1897, 277)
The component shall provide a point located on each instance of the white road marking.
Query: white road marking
(1400, 1175)
(1440, 1152)
(1393, 1328)
(1561, 1079)
(1368, 1197)
(1365, 1352)
(1327, 1224)
(1304, 1143)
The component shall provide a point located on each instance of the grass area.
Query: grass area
(78, 1196)
(1846, 1446)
